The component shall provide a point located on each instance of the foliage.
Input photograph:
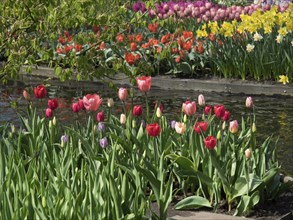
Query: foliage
(115, 169)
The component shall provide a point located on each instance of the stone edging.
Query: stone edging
(210, 85)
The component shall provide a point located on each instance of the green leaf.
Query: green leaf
(193, 202)
(185, 67)
(58, 70)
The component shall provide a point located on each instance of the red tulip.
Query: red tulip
(122, 94)
(210, 142)
(92, 102)
(200, 127)
(137, 110)
(226, 116)
(144, 83)
(153, 129)
(75, 107)
(189, 108)
(40, 91)
(81, 105)
(219, 111)
(100, 116)
(133, 46)
(208, 109)
(49, 113)
(53, 103)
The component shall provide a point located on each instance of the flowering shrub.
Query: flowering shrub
(114, 167)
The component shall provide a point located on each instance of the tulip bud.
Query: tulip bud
(219, 135)
(104, 142)
(12, 128)
(253, 129)
(123, 119)
(249, 102)
(122, 94)
(64, 140)
(54, 121)
(247, 153)
(100, 116)
(233, 126)
(173, 124)
(201, 100)
(134, 123)
(159, 113)
(224, 125)
(50, 124)
(110, 102)
(101, 127)
(49, 113)
(185, 118)
(44, 203)
(26, 95)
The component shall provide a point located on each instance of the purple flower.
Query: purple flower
(101, 126)
(103, 142)
(173, 124)
(64, 138)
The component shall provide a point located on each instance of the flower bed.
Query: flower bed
(115, 167)
(257, 46)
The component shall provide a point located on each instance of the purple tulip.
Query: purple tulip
(103, 142)
(101, 127)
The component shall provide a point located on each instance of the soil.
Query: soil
(278, 209)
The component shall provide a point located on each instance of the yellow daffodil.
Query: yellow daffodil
(284, 79)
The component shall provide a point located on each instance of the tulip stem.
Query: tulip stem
(147, 106)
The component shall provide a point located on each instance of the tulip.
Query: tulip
(173, 124)
(233, 126)
(137, 110)
(253, 129)
(144, 83)
(189, 108)
(81, 105)
(210, 142)
(247, 153)
(103, 142)
(75, 107)
(226, 116)
(92, 102)
(64, 139)
(249, 102)
(201, 100)
(26, 95)
(49, 113)
(200, 127)
(53, 103)
(123, 119)
(101, 127)
(123, 94)
(110, 103)
(208, 110)
(153, 129)
(180, 128)
(100, 117)
(219, 111)
(40, 91)
(158, 112)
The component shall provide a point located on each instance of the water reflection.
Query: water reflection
(273, 114)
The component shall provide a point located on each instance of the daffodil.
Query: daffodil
(284, 79)
(257, 37)
(249, 48)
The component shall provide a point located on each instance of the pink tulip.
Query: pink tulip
(92, 102)
(144, 83)
(249, 102)
(75, 107)
(233, 126)
(100, 117)
(201, 100)
(122, 94)
(49, 113)
(53, 103)
(81, 105)
(189, 108)
(26, 95)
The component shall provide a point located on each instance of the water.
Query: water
(273, 114)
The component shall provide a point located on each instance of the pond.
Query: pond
(273, 113)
